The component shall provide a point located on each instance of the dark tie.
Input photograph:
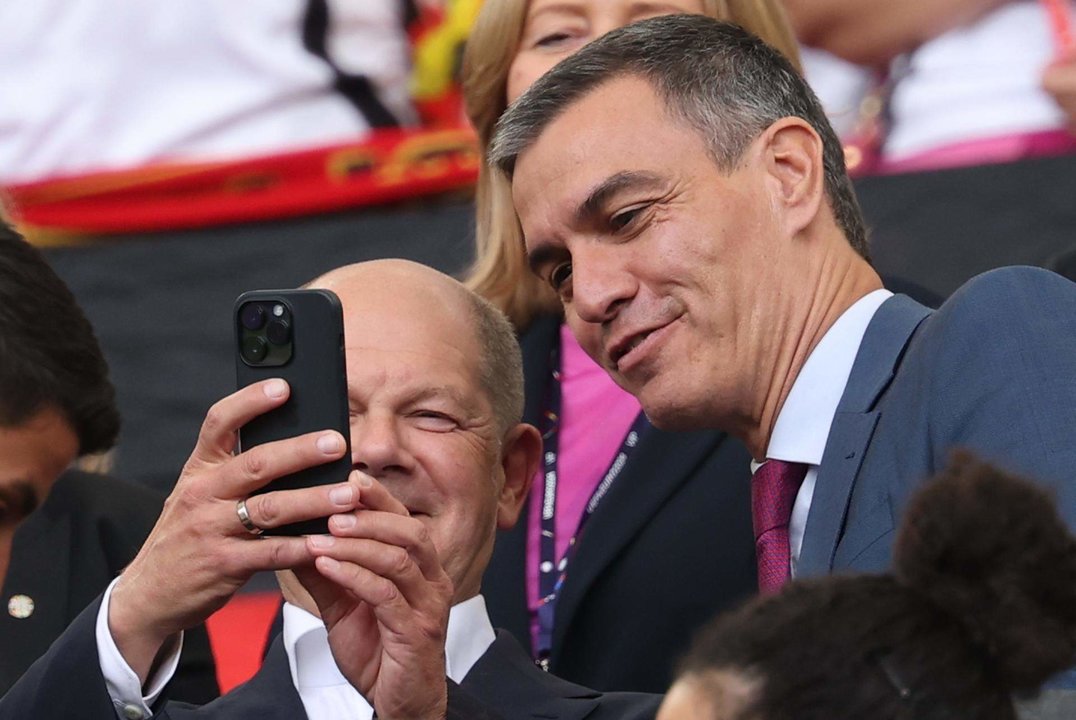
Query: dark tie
(773, 493)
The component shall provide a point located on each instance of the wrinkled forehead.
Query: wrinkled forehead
(597, 141)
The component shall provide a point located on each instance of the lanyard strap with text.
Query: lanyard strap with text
(551, 573)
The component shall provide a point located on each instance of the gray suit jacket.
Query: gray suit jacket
(992, 370)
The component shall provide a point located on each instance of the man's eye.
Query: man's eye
(622, 219)
(553, 39)
(560, 275)
(433, 421)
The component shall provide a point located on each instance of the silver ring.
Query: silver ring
(244, 517)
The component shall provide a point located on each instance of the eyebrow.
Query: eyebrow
(574, 8)
(542, 255)
(559, 7)
(609, 188)
(442, 392)
(593, 206)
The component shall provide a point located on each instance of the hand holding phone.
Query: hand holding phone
(297, 335)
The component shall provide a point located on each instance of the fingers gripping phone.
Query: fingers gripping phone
(297, 335)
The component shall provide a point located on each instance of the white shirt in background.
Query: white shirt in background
(979, 81)
(113, 84)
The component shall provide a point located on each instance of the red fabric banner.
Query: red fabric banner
(388, 166)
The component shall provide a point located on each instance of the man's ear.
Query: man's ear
(521, 453)
(792, 156)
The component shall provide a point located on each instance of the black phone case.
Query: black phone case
(317, 375)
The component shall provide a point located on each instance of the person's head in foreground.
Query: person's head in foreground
(56, 401)
(980, 606)
(680, 188)
(512, 44)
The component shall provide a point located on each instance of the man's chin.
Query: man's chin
(665, 414)
(672, 421)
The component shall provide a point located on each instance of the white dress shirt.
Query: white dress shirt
(115, 84)
(324, 691)
(802, 426)
(981, 80)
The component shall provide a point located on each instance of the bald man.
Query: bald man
(380, 610)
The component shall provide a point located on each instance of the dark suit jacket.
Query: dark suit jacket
(66, 553)
(992, 370)
(67, 683)
(668, 547)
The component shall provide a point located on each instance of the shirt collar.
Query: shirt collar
(803, 424)
(470, 633)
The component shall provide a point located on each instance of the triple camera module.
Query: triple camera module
(265, 333)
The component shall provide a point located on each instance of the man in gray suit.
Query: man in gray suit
(681, 189)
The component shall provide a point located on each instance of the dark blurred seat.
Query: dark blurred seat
(161, 304)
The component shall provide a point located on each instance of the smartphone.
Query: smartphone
(297, 335)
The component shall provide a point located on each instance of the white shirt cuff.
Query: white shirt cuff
(122, 682)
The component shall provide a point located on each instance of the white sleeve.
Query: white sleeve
(121, 681)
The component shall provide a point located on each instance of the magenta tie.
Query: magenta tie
(773, 493)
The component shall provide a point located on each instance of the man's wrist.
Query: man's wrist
(138, 637)
(132, 696)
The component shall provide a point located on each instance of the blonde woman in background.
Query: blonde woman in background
(665, 546)
(503, 57)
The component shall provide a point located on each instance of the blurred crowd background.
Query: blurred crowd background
(173, 156)
(170, 156)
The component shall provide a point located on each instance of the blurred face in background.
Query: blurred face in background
(32, 456)
(554, 29)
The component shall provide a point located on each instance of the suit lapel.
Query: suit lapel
(853, 426)
(507, 679)
(660, 464)
(848, 440)
(40, 569)
(269, 694)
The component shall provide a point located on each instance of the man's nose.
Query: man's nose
(376, 445)
(600, 284)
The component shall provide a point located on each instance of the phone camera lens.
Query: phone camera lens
(278, 332)
(252, 316)
(255, 349)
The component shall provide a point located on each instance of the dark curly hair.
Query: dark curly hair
(49, 356)
(981, 605)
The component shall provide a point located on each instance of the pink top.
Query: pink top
(985, 151)
(595, 416)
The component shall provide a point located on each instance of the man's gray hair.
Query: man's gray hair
(500, 367)
(722, 81)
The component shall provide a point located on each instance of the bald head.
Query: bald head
(401, 298)
(394, 281)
